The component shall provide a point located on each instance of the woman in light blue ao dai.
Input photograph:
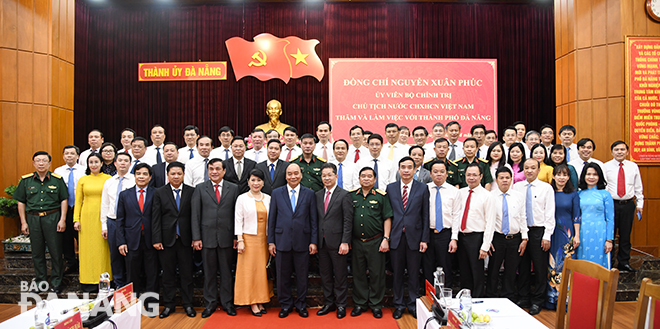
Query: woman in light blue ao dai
(597, 207)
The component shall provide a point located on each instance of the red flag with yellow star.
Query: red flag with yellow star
(303, 58)
(264, 59)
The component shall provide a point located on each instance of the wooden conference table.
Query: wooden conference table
(504, 314)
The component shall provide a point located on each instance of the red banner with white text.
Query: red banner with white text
(412, 92)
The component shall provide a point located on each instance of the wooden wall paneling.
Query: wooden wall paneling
(564, 27)
(9, 74)
(68, 83)
(653, 27)
(597, 133)
(54, 81)
(583, 65)
(70, 32)
(63, 82)
(570, 25)
(639, 235)
(41, 127)
(627, 17)
(615, 120)
(651, 211)
(599, 71)
(583, 23)
(57, 135)
(583, 119)
(570, 63)
(41, 17)
(9, 143)
(25, 76)
(557, 29)
(572, 108)
(26, 143)
(639, 11)
(54, 47)
(615, 74)
(564, 80)
(558, 86)
(599, 22)
(62, 27)
(25, 25)
(9, 36)
(651, 182)
(614, 33)
(40, 78)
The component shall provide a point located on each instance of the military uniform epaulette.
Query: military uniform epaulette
(460, 160)
(452, 162)
(296, 158)
(483, 160)
(429, 160)
(355, 190)
(381, 192)
(27, 176)
(55, 175)
(322, 159)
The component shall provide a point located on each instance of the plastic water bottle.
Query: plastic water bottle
(466, 304)
(439, 282)
(42, 316)
(104, 284)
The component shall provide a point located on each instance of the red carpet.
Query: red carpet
(244, 319)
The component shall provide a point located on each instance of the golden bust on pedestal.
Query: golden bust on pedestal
(273, 111)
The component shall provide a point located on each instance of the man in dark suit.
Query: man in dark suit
(172, 237)
(213, 233)
(238, 167)
(410, 233)
(335, 212)
(274, 169)
(292, 237)
(170, 153)
(134, 209)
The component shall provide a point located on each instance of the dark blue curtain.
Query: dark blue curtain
(111, 41)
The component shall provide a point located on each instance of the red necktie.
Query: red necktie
(405, 196)
(327, 200)
(217, 192)
(288, 156)
(465, 213)
(141, 203)
(357, 155)
(621, 182)
(325, 152)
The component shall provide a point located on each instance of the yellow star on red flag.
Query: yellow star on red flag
(300, 57)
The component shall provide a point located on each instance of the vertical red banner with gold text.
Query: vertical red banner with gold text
(412, 92)
(643, 98)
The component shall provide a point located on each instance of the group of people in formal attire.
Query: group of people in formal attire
(152, 214)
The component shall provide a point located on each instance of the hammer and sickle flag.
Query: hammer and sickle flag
(269, 57)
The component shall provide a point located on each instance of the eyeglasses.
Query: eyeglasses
(42, 161)
(108, 151)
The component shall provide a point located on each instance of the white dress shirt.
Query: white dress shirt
(386, 173)
(140, 160)
(256, 155)
(220, 153)
(82, 160)
(195, 169)
(129, 151)
(109, 196)
(578, 164)
(451, 207)
(295, 152)
(574, 155)
(459, 150)
(517, 216)
(318, 151)
(184, 154)
(547, 149)
(481, 215)
(429, 151)
(543, 205)
(78, 171)
(399, 152)
(151, 155)
(364, 152)
(634, 186)
(483, 152)
(348, 174)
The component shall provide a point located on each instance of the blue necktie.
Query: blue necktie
(415, 176)
(158, 158)
(438, 210)
(178, 205)
(206, 169)
(71, 187)
(340, 178)
(505, 215)
(226, 154)
(191, 154)
(133, 170)
(529, 204)
(568, 155)
(272, 172)
(117, 197)
(293, 200)
(376, 170)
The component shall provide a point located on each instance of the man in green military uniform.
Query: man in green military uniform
(470, 150)
(42, 205)
(310, 164)
(441, 149)
(372, 221)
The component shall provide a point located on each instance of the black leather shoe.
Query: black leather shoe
(378, 313)
(256, 314)
(326, 309)
(166, 312)
(209, 310)
(285, 312)
(357, 311)
(57, 290)
(303, 313)
(190, 311)
(264, 311)
(231, 311)
(398, 313)
(523, 304)
(412, 312)
(341, 312)
(627, 268)
(534, 310)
